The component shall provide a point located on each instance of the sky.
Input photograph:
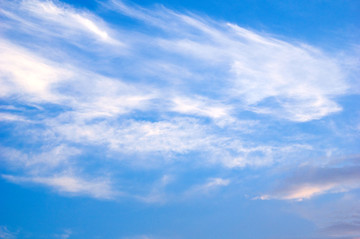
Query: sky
(178, 119)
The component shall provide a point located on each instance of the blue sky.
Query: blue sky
(179, 119)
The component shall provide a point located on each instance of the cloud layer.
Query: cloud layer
(173, 87)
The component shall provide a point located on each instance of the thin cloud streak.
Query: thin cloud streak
(69, 184)
(47, 16)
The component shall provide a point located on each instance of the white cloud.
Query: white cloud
(56, 168)
(11, 117)
(34, 79)
(211, 185)
(157, 192)
(181, 135)
(156, 101)
(299, 81)
(141, 237)
(252, 71)
(96, 96)
(66, 234)
(43, 161)
(68, 20)
(70, 184)
(27, 75)
(200, 106)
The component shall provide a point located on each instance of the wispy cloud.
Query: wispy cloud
(5, 233)
(66, 234)
(262, 74)
(11, 117)
(26, 75)
(46, 15)
(299, 81)
(69, 184)
(143, 237)
(309, 181)
(157, 192)
(211, 185)
(185, 87)
(56, 169)
(45, 160)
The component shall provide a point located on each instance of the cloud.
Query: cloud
(211, 185)
(257, 70)
(56, 168)
(11, 117)
(178, 135)
(66, 234)
(142, 237)
(47, 159)
(70, 184)
(308, 181)
(157, 193)
(168, 138)
(6, 234)
(262, 74)
(203, 107)
(173, 86)
(33, 79)
(161, 192)
(26, 75)
(54, 17)
(299, 81)
(334, 216)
